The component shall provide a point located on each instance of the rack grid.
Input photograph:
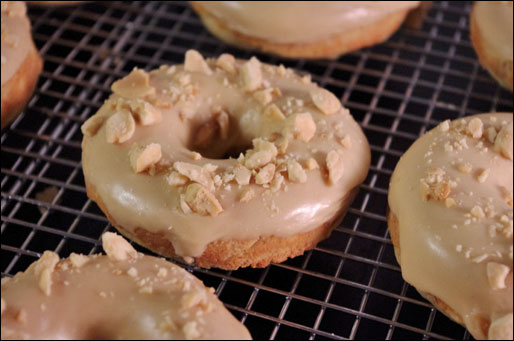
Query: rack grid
(350, 285)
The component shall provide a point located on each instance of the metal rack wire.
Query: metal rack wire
(350, 286)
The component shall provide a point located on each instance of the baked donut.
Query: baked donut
(450, 220)
(124, 295)
(156, 160)
(491, 34)
(303, 29)
(21, 63)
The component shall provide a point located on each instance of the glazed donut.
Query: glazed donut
(450, 220)
(155, 159)
(491, 34)
(303, 29)
(21, 63)
(124, 295)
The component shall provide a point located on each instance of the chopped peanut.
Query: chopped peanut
(265, 174)
(335, 166)
(503, 142)
(44, 268)
(143, 157)
(145, 113)
(78, 260)
(444, 126)
(120, 127)
(195, 173)
(227, 62)
(301, 125)
(247, 195)
(312, 164)
(136, 84)
(242, 174)
(116, 247)
(251, 75)
(201, 201)
(93, 124)
(483, 175)
(496, 274)
(295, 172)
(223, 121)
(194, 62)
(264, 97)
(325, 101)
(274, 113)
(174, 178)
(475, 128)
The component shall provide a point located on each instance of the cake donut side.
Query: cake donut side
(450, 219)
(124, 295)
(303, 29)
(21, 63)
(156, 160)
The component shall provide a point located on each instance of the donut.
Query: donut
(124, 295)
(450, 221)
(303, 29)
(21, 63)
(491, 34)
(223, 162)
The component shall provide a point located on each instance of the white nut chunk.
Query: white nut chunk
(251, 75)
(174, 178)
(227, 62)
(143, 157)
(195, 173)
(335, 166)
(301, 125)
(325, 101)
(93, 124)
(136, 84)
(504, 140)
(274, 113)
(475, 128)
(194, 62)
(116, 247)
(295, 172)
(262, 154)
(43, 269)
(201, 201)
(242, 174)
(501, 328)
(145, 113)
(265, 175)
(497, 274)
(120, 127)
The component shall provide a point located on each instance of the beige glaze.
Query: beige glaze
(106, 298)
(148, 201)
(300, 21)
(448, 240)
(494, 21)
(16, 39)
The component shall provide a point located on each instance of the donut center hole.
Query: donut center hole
(218, 138)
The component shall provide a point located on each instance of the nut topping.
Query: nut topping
(227, 62)
(136, 84)
(120, 127)
(335, 166)
(325, 101)
(194, 62)
(503, 142)
(201, 201)
(251, 75)
(117, 248)
(143, 157)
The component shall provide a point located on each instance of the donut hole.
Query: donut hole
(218, 138)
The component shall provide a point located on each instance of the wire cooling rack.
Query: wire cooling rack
(350, 286)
